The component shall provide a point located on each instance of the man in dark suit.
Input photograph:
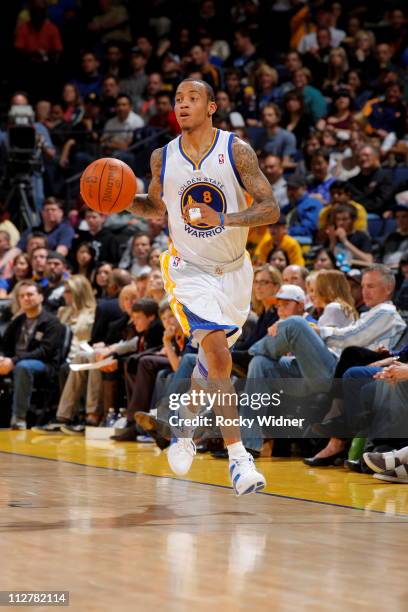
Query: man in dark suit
(31, 348)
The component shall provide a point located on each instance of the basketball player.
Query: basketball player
(201, 179)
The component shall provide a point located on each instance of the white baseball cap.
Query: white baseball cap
(290, 292)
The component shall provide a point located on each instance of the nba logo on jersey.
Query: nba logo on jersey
(221, 158)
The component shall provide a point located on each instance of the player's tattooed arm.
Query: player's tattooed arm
(150, 205)
(265, 209)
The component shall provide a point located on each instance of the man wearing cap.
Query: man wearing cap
(289, 302)
(304, 210)
(275, 237)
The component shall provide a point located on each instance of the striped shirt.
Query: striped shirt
(381, 325)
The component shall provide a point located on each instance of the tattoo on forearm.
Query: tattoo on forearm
(265, 209)
(151, 205)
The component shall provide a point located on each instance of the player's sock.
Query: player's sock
(236, 451)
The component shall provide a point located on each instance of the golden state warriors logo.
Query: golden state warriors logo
(203, 193)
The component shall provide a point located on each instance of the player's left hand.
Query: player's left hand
(209, 216)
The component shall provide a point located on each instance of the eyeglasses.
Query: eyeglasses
(263, 283)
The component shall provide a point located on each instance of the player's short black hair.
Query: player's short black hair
(208, 88)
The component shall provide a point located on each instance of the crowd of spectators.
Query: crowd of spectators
(319, 90)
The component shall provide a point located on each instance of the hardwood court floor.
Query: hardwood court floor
(110, 524)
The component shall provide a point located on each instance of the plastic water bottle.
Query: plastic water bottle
(121, 421)
(110, 418)
(343, 258)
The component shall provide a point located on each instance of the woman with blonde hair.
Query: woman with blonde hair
(337, 69)
(266, 284)
(332, 293)
(79, 311)
(265, 80)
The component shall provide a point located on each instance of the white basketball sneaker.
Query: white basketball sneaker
(244, 476)
(180, 455)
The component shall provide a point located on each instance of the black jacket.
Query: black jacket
(104, 242)
(107, 311)
(45, 344)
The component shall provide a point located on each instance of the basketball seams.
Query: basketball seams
(121, 185)
(99, 186)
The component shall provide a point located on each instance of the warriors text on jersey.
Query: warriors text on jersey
(214, 181)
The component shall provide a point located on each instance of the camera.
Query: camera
(24, 150)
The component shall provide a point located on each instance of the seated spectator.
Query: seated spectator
(21, 270)
(200, 61)
(155, 286)
(154, 259)
(108, 309)
(347, 166)
(324, 20)
(324, 260)
(148, 105)
(272, 168)
(315, 102)
(99, 237)
(135, 84)
(246, 55)
(31, 348)
(361, 55)
(341, 115)
(135, 259)
(319, 185)
(278, 259)
(72, 104)
(273, 139)
(344, 241)
(277, 237)
(295, 275)
(165, 117)
(317, 58)
(140, 383)
(90, 80)
(303, 210)
(355, 85)
(109, 95)
(54, 281)
(234, 89)
(267, 282)
(89, 383)
(354, 277)
(118, 132)
(100, 282)
(57, 231)
(336, 71)
(265, 80)
(340, 193)
(7, 255)
(113, 60)
(294, 118)
(371, 186)
(78, 312)
(389, 115)
(396, 243)
(84, 263)
(333, 296)
(38, 261)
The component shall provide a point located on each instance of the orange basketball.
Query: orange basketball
(108, 185)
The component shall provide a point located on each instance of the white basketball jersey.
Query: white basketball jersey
(215, 181)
